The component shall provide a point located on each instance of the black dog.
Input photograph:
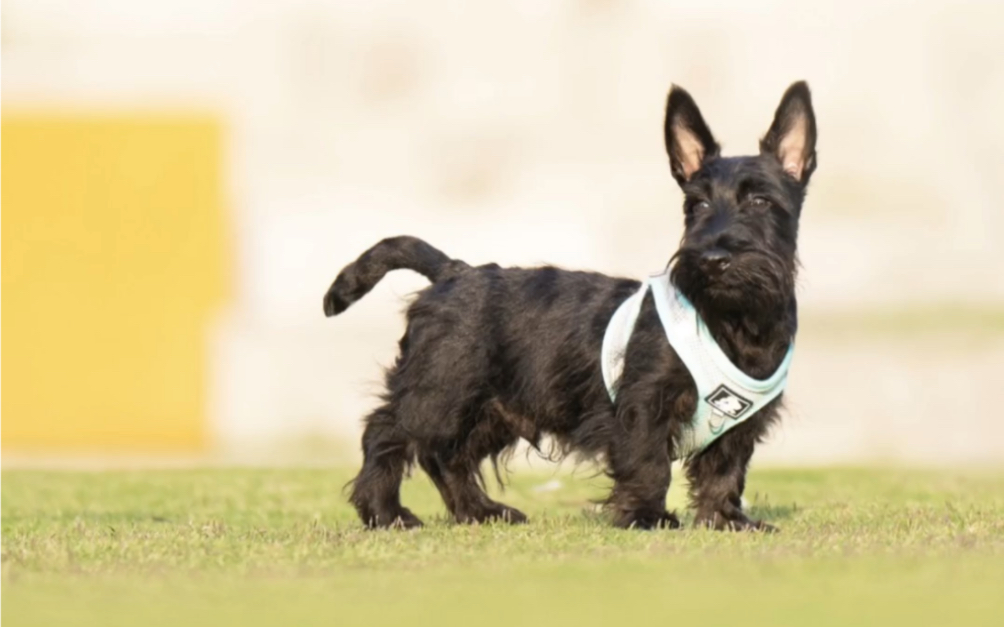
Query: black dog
(492, 355)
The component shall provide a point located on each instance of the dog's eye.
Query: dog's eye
(698, 206)
(758, 202)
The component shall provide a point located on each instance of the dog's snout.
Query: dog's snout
(714, 261)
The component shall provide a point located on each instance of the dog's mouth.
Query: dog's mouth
(750, 281)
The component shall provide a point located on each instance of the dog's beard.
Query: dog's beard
(756, 284)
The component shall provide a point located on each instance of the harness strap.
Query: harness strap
(726, 396)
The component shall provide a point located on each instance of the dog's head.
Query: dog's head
(741, 213)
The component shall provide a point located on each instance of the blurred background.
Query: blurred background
(181, 181)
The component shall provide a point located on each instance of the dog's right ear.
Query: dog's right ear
(688, 140)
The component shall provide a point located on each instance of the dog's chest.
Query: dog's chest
(726, 396)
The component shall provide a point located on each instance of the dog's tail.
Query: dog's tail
(393, 253)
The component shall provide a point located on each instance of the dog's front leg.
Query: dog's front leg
(718, 477)
(640, 466)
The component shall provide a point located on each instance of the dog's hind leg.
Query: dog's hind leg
(456, 473)
(376, 490)
(461, 491)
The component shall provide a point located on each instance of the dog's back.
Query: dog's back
(521, 341)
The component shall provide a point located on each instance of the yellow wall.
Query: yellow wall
(114, 259)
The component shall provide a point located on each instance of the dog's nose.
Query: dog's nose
(714, 261)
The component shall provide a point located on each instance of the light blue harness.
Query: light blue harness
(726, 396)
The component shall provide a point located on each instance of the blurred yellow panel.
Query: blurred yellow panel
(114, 258)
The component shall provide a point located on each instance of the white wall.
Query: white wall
(530, 131)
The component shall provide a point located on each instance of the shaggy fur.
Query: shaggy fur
(493, 355)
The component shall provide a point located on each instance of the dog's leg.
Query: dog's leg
(718, 477)
(456, 471)
(458, 484)
(376, 490)
(640, 466)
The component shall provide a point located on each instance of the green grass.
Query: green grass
(252, 547)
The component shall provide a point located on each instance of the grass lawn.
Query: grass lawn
(266, 546)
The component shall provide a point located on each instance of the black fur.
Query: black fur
(492, 355)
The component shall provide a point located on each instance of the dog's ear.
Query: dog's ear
(688, 140)
(792, 136)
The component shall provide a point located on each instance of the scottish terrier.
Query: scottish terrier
(493, 355)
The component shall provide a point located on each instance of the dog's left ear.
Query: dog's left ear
(792, 136)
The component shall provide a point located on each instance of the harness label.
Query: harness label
(728, 402)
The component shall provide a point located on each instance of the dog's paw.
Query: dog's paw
(406, 520)
(720, 522)
(647, 520)
(761, 526)
(750, 525)
(401, 519)
(509, 515)
(502, 513)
